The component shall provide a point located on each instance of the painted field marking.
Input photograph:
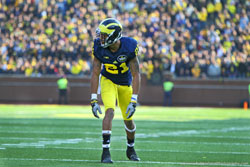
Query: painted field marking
(192, 132)
(140, 162)
(140, 135)
(41, 145)
(42, 142)
(191, 136)
(206, 143)
(45, 143)
(221, 137)
(143, 150)
(148, 135)
(46, 132)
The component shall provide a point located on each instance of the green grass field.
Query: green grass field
(69, 136)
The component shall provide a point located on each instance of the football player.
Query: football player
(115, 58)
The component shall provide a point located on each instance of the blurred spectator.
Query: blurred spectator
(63, 88)
(196, 71)
(168, 87)
(214, 70)
(39, 37)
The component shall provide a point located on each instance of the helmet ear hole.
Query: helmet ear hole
(97, 32)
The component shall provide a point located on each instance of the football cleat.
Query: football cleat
(131, 154)
(106, 158)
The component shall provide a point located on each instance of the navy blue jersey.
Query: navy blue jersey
(116, 64)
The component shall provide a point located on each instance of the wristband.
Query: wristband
(134, 98)
(93, 96)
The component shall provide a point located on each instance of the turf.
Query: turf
(69, 136)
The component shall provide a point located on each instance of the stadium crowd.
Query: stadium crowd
(188, 38)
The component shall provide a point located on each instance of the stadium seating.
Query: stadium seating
(188, 38)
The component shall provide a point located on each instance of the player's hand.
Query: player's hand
(95, 107)
(131, 109)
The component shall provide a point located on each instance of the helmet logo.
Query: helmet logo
(122, 58)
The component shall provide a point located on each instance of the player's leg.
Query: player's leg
(60, 97)
(124, 96)
(107, 120)
(106, 134)
(108, 93)
(66, 97)
(130, 130)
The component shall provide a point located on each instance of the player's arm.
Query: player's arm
(135, 71)
(95, 75)
(94, 86)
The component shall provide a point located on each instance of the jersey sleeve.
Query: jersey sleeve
(134, 48)
(95, 49)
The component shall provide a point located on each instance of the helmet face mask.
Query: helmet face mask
(109, 31)
(103, 38)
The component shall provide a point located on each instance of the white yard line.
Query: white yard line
(219, 137)
(140, 162)
(45, 143)
(139, 136)
(192, 132)
(203, 143)
(42, 142)
(191, 136)
(40, 146)
(51, 132)
(151, 150)
(143, 135)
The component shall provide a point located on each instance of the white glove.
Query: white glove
(95, 107)
(131, 109)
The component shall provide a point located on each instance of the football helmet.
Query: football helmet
(109, 31)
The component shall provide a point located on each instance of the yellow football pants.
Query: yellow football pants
(111, 91)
